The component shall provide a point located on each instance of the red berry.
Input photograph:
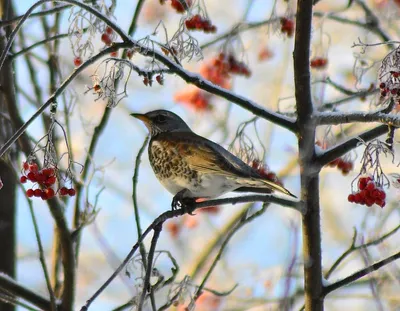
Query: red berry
(357, 198)
(33, 167)
(48, 171)
(106, 39)
(382, 195)
(37, 192)
(380, 203)
(23, 179)
(25, 165)
(31, 176)
(44, 196)
(160, 79)
(49, 192)
(369, 202)
(77, 61)
(370, 186)
(29, 193)
(40, 177)
(71, 192)
(364, 193)
(109, 30)
(51, 180)
(130, 53)
(382, 85)
(114, 54)
(351, 198)
(63, 191)
(376, 194)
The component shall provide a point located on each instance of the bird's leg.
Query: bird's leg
(185, 203)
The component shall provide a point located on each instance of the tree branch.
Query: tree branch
(19, 290)
(335, 118)
(359, 274)
(341, 149)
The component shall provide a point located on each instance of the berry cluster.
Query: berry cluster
(319, 62)
(44, 178)
(228, 64)
(194, 98)
(217, 71)
(148, 81)
(287, 26)
(369, 193)
(265, 172)
(197, 22)
(388, 89)
(344, 165)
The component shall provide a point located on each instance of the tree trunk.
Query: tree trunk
(8, 192)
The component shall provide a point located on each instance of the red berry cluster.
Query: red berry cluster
(368, 193)
(344, 165)
(319, 62)
(264, 172)
(287, 26)
(44, 178)
(176, 4)
(194, 98)
(197, 22)
(107, 36)
(387, 90)
(227, 64)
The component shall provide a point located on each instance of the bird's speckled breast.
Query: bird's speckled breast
(168, 164)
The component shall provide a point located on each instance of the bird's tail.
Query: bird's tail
(261, 186)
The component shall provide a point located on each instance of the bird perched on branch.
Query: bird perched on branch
(190, 166)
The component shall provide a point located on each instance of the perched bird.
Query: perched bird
(190, 166)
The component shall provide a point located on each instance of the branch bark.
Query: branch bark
(309, 171)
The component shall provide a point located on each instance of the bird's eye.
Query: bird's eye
(161, 118)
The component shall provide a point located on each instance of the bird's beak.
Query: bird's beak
(141, 117)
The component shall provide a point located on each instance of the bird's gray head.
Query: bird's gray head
(159, 121)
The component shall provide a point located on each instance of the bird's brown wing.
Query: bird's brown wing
(208, 157)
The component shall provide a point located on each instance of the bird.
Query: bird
(190, 166)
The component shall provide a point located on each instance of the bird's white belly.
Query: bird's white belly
(210, 186)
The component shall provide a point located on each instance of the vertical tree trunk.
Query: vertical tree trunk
(8, 192)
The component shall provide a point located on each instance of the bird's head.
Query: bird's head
(159, 121)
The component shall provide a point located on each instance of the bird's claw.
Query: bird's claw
(185, 204)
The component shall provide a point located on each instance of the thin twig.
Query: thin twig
(359, 274)
(353, 248)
